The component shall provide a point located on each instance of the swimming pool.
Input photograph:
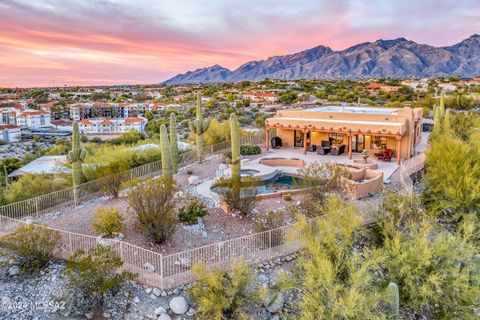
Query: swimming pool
(279, 182)
(246, 172)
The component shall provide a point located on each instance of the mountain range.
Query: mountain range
(382, 58)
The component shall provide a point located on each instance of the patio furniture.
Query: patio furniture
(386, 156)
(338, 150)
(381, 153)
(276, 142)
(324, 148)
(312, 148)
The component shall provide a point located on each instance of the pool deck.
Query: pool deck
(266, 172)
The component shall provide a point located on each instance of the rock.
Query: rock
(160, 310)
(119, 237)
(276, 317)
(157, 292)
(148, 290)
(262, 278)
(14, 270)
(164, 317)
(179, 305)
(106, 315)
(184, 262)
(222, 167)
(149, 267)
(274, 305)
(136, 300)
(191, 312)
(193, 180)
(5, 300)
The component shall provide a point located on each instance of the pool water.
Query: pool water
(247, 172)
(280, 182)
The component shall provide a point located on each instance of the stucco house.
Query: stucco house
(352, 129)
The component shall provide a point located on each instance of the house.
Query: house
(378, 87)
(261, 96)
(34, 118)
(10, 133)
(354, 128)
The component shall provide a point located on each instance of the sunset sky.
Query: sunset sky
(93, 42)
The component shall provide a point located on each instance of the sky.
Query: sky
(94, 42)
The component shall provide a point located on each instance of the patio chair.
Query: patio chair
(381, 153)
(312, 148)
(386, 156)
(336, 151)
(324, 148)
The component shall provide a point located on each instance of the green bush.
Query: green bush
(190, 213)
(94, 273)
(33, 185)
(242, 202)
(220, 294)
(153, 202)
(34, 246)
(287, 197)
(108, 222)
(245, 151)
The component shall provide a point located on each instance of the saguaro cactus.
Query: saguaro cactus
(76, 156)
(173, 142)
(198, 127)
(235, 141)
(447, 124)
(475, 276)
(165, 152)
(393, 301)
(442, 105)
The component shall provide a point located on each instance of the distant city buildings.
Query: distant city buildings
(109, 126)
(10, 133)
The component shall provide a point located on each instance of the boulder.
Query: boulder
(222, 167)
(157, 292)
(179, 305)
(164, 316)
(193, 180)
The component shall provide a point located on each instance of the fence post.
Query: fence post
(70, 244)
(121, 251)
(161, 272)
(36, 207)
(270, 243)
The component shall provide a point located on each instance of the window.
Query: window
(336, 138)
(378, 143)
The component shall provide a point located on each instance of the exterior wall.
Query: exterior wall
(404, 123)
(8, 135)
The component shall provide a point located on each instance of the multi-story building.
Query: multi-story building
(108, 126)
(10, 133)
(34, 118)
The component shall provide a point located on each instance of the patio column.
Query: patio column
(350, 145)
(267, 138)
(399, 150)
(305, 141)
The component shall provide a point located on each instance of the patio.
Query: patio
(297, 159)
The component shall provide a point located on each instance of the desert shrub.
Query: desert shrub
(433, 270)
(108, 222)
(319, 179)
(113, 176)
(129, 137)
(190, 213)
(245, 151)
(221, 294)
(153, 202)
(34, 185)
(33, 246)
(242, 202)
(83, 139)
(92, 274)
(287, 197)
(338, 280)
(452, 175)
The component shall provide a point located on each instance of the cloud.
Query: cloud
(146, 41)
